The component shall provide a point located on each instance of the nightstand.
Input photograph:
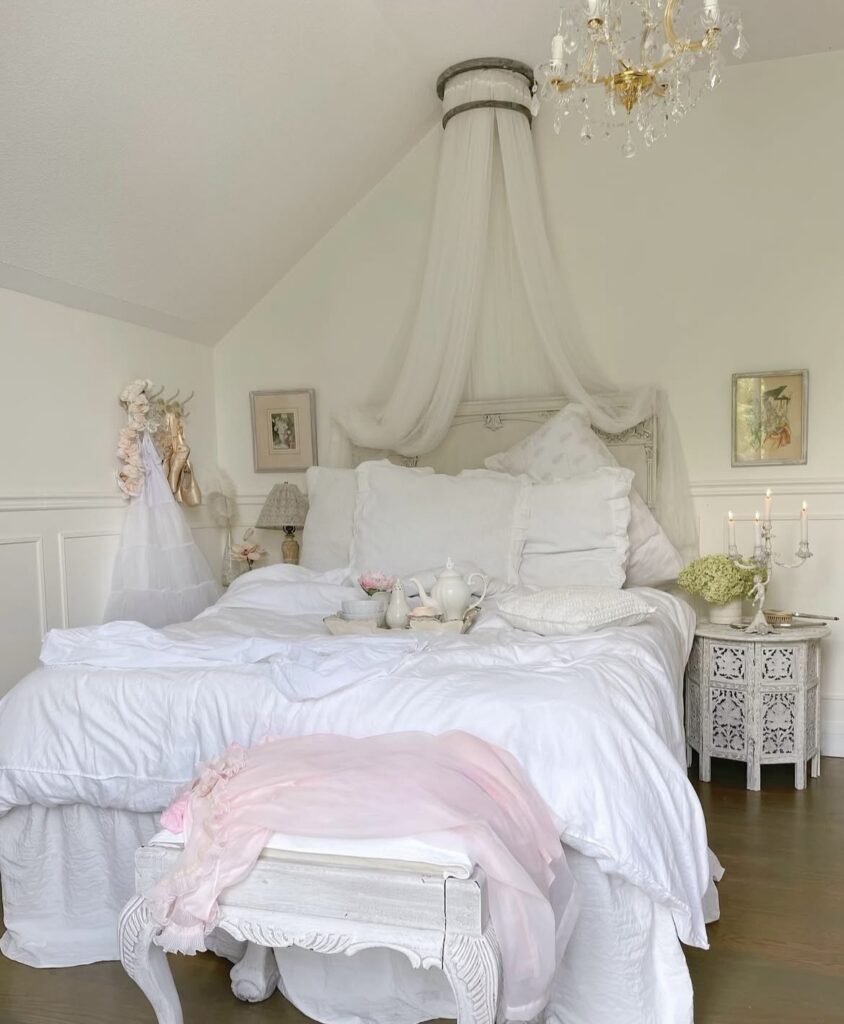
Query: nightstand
(755, 699)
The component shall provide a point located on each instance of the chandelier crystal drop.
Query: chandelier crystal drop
(632, 64)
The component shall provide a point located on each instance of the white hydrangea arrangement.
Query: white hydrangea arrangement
(717, 579)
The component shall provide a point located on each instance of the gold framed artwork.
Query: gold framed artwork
(283, 430)
(770, 418)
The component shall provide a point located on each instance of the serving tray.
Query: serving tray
(339, 626)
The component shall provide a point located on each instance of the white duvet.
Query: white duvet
(122, 715)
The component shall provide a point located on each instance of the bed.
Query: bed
(94, 746)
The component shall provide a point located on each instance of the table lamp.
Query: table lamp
(285, 509)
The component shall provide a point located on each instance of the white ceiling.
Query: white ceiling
(167, 161)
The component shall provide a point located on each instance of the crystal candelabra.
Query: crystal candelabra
(639, 56)
(764, 558)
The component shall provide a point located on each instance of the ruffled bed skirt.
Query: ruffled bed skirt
(68, 871)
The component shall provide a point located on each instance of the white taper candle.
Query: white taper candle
(557, 48)
(731, 527)
(712, 10)
(768, 503)
(757, 531)
(804, 523)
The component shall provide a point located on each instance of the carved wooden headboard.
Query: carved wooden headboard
(481, 429)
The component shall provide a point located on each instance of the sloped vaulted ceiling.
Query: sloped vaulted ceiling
(166, 161)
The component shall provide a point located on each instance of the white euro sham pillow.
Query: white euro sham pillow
(329, 524)
(577, 530)
(327, 535)
(404, 520)
(570, 611)
(566, 446)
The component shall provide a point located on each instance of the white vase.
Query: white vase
(727, 614)
(231, 567)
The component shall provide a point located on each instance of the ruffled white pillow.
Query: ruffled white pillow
(329, 525)
(405, 519)
(566, 446)
(568, 611)
(577, 531)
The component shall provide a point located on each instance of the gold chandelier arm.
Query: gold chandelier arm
(582, 78)
(630, 83)
(668, 24)
(678, 44)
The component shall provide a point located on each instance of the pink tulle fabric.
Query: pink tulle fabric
(402, 784)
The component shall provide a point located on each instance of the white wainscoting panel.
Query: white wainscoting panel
(23, 603)
(56, 555)
(85, 562)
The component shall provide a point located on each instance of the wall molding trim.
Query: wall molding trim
(744, 486)
(61, 502)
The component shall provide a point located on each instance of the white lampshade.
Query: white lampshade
(285, 506)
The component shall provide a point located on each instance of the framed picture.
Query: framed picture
(283, 430)
(770, 418)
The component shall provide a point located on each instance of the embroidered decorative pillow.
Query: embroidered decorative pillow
(569, 611)
(566, 446)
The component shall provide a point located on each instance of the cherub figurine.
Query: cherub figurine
(759, 624)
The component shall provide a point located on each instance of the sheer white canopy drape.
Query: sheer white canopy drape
(490, 271)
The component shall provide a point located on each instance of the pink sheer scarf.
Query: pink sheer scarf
(401, 784)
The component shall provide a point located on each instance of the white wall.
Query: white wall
(330, 321)
(718, 251)
(60, 509)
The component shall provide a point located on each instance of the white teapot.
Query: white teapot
(451, 595)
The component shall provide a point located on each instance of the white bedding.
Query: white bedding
(595, 720)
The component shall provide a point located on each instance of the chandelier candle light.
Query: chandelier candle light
(637, 54)
(763, 560)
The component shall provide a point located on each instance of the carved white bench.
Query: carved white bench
(330, 905)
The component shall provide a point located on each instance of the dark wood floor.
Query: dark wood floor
(777, 954)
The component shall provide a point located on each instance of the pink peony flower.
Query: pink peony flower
(375, 582)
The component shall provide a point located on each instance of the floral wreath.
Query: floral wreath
(136, 402)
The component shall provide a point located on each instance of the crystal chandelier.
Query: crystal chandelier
(630, 64)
